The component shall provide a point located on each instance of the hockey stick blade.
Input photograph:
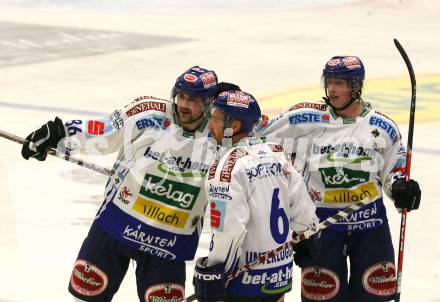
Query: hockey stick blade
(303, 236)
(54, 152)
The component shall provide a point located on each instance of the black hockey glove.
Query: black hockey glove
(224, 86)
(406, 194)
(209, 282)
(42, 139)
(306, 251)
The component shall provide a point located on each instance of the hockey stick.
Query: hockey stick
(54, 152)
(303, 236)
(412, 112)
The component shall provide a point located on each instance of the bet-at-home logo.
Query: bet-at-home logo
(342, 177)
(173, 193)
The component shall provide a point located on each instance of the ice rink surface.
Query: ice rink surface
(90, 58)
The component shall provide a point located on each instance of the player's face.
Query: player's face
(216, 124)
(190, 108)
(339, 92)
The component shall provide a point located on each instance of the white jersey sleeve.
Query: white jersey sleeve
(280, 129)
(145, 115)
(229, 214)
(394, 154)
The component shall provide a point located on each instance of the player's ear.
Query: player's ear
(236, 126)
(357, 90)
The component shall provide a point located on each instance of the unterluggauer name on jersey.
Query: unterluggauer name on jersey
(281, 256)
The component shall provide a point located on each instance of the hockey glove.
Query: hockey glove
(39, 141)
(306, 251)
(209, 282)
(406, 194)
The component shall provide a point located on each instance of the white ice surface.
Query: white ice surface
(46, 208)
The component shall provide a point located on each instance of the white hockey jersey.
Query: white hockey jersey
(342, 160)
(256, 199)
(155, 200)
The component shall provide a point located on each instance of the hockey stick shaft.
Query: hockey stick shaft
(303, 236)
(54, 152)
(408, 163)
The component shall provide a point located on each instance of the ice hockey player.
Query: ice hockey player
(256, 201)
(346, 152)
(154, 202)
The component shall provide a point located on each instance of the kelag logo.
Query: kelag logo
(342, 177)
(177, 194)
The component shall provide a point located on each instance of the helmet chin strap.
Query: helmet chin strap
(327, 101)
(228, 133)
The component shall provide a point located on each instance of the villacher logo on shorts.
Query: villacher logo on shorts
(87, 279)
(168, 292)
(380, 279)
(319, 283)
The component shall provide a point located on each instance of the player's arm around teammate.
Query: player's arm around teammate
(154, 201)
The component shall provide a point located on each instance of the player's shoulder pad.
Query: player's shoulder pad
(386, 117)
(317, 105)
(275, 147)
(223, 166)
(385, 124)
(147, 103)
(285, 116)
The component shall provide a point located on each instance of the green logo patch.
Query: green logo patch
(342, 177)
(173, 193)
